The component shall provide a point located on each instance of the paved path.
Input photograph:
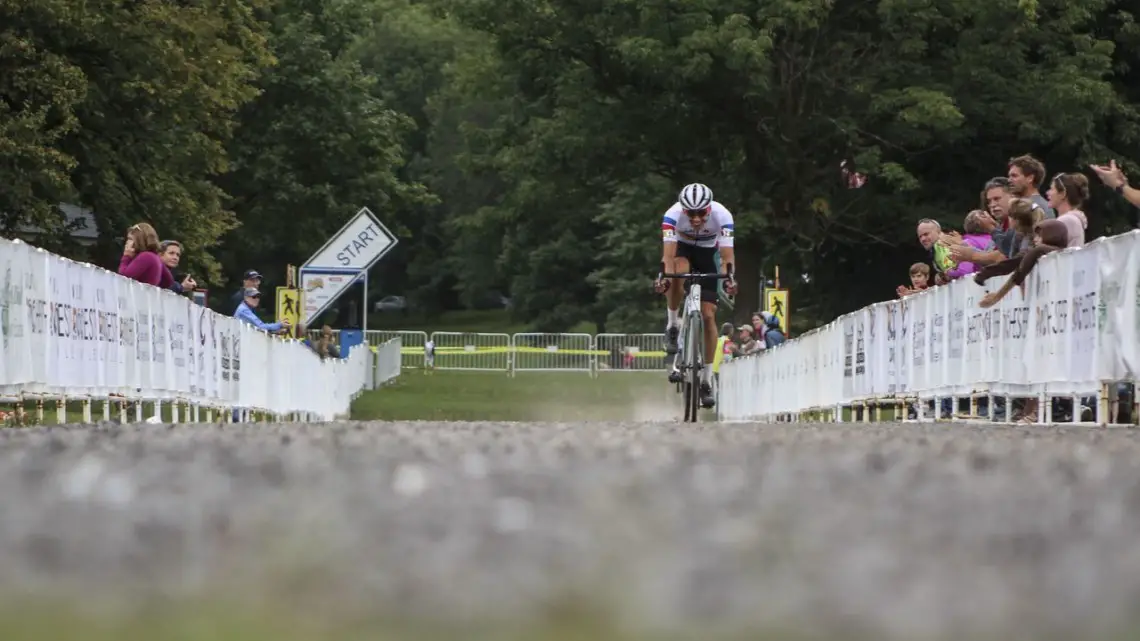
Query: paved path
(895, 532)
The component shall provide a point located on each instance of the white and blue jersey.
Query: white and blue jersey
(715, 231)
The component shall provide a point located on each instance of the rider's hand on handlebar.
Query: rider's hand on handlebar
(730, 286)
(660, 285)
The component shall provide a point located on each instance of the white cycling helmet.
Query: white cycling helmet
(695, 196)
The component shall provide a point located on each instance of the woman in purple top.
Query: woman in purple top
(140, 259)
(978, 226)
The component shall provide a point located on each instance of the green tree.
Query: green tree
(763, 101)
(317, 144)
(39, 92)
(124, 107)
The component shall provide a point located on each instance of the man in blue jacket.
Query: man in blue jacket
(245, 312)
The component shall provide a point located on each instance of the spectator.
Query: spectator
(931, 238)
(978, 227)
(245, 313)
(1024, 214)
(996, 194)
(774, 335)
(723, 352)
(758, 327)
(1026, 174)
(1113, 177)
(140, 259)
(746, 341)
(171, 253)
(1067, 194)
(1050, 235)
(250, 280)
(919, 280)
(325, 347)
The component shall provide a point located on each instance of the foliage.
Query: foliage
(529, 146)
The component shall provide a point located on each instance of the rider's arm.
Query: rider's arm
(668, 239)
(727, 252)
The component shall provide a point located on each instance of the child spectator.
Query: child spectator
(919, 280)
(977, 237)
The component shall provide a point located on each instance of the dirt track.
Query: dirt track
(899, 532)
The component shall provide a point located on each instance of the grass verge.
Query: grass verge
(527, 396)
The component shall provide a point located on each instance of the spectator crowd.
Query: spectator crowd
(148, 260)
(1012, 228)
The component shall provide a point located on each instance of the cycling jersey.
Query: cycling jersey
(715, 231)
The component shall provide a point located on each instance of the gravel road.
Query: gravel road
(884, 531)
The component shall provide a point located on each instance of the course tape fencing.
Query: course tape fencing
(75, 332)
(1073, 332)
(527, 351)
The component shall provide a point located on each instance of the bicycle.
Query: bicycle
(692, 332)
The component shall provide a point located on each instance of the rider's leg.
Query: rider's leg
(673, 299)
(676, 293)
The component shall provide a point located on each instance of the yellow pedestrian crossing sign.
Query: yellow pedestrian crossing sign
(289, 306)
(776, 303)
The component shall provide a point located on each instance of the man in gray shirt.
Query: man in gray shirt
(1026, 174)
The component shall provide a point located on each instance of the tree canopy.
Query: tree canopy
(529, 147)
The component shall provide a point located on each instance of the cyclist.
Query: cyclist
(693, 229)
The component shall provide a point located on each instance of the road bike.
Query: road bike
(687, 363)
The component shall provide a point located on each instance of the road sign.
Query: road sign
(346, 257)
(320, 288)
(357, 246)
(776, 303)
(289, 307)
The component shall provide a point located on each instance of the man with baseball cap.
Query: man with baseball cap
(244, 312)
(250, 280)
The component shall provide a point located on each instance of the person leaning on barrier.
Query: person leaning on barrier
(245, 313)
(773, 335)
(171, 253)
(140, 259)
(1050, 235)
(325, 346)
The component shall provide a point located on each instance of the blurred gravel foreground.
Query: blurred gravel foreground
(422, 530)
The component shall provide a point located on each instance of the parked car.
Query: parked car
(391, 304)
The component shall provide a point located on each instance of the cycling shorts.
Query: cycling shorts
(701, 260)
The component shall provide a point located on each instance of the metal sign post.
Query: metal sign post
(343, 260)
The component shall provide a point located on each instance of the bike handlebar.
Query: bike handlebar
(728, 274)
(664, 275)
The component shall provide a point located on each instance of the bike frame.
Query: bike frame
(691, 356)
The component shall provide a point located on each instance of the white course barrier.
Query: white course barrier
(389, 361)
(630, 352)
(76, 332)
(472, 351)
(538, 352)
(1075, 329)
(412, 343)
